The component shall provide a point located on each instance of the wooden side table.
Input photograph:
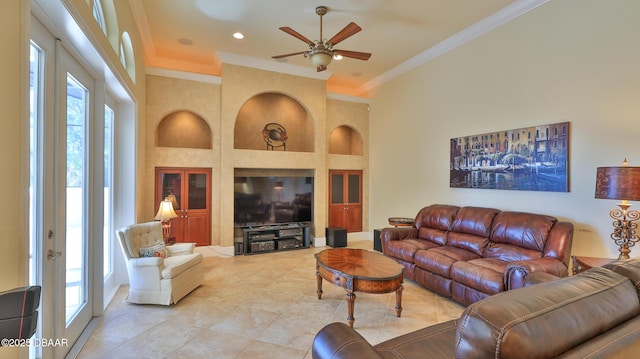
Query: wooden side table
(401, 221)
(581, 264)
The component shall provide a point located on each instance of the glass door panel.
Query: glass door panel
(172, 188)
(76, 249)
(353, 195)
(197, 191)
(337, 188)
(107, 193)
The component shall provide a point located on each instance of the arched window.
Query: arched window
(98, 15)
(126, 55)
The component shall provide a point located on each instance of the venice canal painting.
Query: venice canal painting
(529, 159)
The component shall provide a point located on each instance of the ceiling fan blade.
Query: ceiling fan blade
(354, 54)
(348, 31)
(296, 34)
(321, 68)
(286, 55)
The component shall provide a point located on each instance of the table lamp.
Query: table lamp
(165, 215)
(621, 183)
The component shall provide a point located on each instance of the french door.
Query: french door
(63, 132)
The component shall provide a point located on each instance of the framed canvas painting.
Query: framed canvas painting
(530, 159)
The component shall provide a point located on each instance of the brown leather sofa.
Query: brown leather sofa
(594, 314)
(470, 253)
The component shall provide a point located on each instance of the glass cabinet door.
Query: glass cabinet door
(172, 188)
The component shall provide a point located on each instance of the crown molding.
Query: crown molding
(481, 27)
(183, 75)
(341, 97)
(270, 65)
(140, 18)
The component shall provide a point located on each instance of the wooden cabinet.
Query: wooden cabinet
(189, 189)
(345, 200)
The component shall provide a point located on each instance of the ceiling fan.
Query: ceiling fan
(321, 52)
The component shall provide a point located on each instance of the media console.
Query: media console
(271, 238)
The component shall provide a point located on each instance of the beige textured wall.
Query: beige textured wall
(356, 116)
(14, 138)
(569, 60)
(266, 108)
(164, 96)
(239, 85)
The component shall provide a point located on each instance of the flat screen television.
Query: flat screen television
(264, 200)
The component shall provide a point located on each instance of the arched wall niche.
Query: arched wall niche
(184, 129)
(345, 140)
(273, 108)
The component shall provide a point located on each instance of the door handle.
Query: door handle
(53, 255)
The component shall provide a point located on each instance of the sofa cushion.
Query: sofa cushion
(629, 268)
(474, 220)
(407, 248)
(142, 235)
(156, 250)
(174, 266)
(435, 235)
(436, 216)
(565, 312)
(483, 274)
(439, 340)
(525, 230)
(439, 260)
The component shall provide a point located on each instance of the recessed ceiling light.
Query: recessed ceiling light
(337, 57)
(238, 35)
(185, 41)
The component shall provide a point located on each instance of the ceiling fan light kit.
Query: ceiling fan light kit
(321, 51)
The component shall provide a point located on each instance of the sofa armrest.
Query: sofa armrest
(537, 278)
(339, 341)
(179, 249)
(395, 234)
(515, 274)
(146, 262)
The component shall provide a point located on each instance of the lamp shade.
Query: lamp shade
(278, 185)
(618, 183)
(165, 212)
(321, 59)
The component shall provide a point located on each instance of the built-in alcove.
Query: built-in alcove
(275, 122)
(345, 140)
(184, 129)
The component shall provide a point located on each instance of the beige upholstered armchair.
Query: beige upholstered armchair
(158, 274)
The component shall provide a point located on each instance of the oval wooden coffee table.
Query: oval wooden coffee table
(359, 270)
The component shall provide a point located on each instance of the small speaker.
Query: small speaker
(377, 243)
(336, 237)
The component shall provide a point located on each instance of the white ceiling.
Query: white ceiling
(400, 34)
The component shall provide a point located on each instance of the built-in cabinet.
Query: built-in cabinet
(345, 199)
(189, 190)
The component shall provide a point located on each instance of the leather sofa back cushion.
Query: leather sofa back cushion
(474, 220)
(566, 313)
(525, 230)
(438, 216)
(471, 228)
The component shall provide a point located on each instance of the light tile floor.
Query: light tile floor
(257, 306)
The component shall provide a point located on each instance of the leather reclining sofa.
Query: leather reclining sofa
(470, 253)
(594, 314)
